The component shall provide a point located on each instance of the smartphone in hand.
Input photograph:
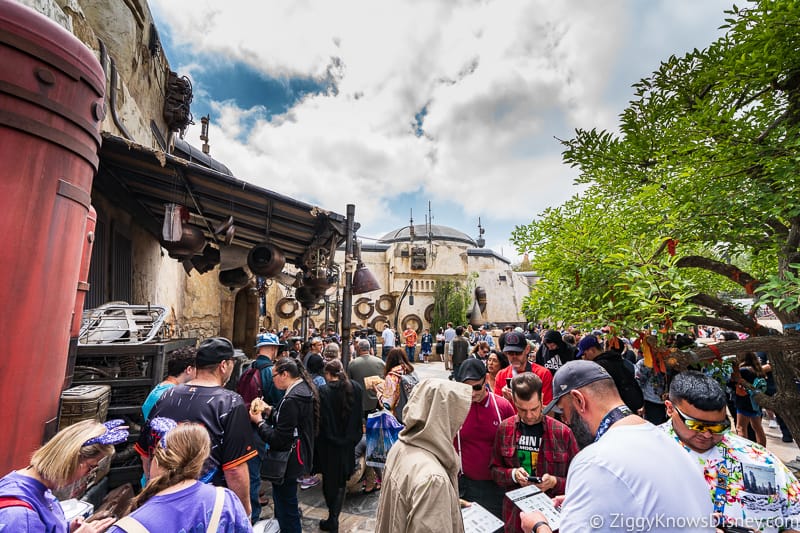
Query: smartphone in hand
(534, 479)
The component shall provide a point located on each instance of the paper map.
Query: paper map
(530, 498)
(479, 520)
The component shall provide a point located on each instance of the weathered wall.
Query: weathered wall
(124, 27)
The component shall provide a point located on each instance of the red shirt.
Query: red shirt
(411, 337)
(539, 370)
(475, 439)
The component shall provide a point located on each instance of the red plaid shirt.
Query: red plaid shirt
(556, 452)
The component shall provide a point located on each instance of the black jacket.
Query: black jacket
(291, 422)
(338, 435)
(624, 378)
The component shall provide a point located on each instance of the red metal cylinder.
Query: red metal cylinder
(80, 295)
(51, 106)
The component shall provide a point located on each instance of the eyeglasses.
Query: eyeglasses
(479, 386)
(701, 426)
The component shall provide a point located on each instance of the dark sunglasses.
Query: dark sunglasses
(701, 426)
(479, 386)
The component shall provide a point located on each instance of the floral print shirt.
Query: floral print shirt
(762, 493)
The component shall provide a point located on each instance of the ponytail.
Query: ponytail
(186, 450)
(335, 368)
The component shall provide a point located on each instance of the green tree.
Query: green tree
(697, 195)
(451, 301)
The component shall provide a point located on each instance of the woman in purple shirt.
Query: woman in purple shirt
(74, 453)
(174, 500)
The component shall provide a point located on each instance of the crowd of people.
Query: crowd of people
(617, 445)
(581, 418)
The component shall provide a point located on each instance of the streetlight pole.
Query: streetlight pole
(408, 289)
(347, 298)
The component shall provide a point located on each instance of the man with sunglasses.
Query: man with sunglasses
(749, 486)
(475, 439)
(628, 475)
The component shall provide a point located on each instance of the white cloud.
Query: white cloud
(500, 79)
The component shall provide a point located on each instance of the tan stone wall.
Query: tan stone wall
(124, 27)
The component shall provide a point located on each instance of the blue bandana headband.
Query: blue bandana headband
(160, 426)
(115, 433)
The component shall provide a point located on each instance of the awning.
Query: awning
(142, 180)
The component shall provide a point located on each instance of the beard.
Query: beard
(581, 431)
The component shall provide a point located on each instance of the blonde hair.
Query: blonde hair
(59, 459)
(187, 448)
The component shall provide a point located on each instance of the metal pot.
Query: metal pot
(192, 242)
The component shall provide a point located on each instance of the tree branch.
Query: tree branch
(746, 323)
(724, 269)
(722, 323)
(783, 116)
(772, 343)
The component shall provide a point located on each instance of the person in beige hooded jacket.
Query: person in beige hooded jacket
(420, 482)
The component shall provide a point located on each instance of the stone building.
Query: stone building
(428, 254)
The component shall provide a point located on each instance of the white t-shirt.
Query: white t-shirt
(635, 479)
(388, 338)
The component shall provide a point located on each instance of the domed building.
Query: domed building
(412, 259)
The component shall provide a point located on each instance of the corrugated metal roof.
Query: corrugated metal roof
(143, 180)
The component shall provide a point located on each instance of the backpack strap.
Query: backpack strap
(266, 381)
(131, 525)
(13, 501)
(219, 500)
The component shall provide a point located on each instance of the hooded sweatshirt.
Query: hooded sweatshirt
(420, 483)
(554, 359)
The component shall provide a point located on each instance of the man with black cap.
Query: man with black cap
(517, 349)
(554, 352)
(475, 439)
(611, 484)
(205, 400)
(621, 371)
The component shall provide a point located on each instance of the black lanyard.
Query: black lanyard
(614, 415)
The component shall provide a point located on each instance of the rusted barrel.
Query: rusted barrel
(51, 105)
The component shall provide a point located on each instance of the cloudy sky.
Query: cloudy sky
(390, 105)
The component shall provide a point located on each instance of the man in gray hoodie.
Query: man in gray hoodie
(420, 482)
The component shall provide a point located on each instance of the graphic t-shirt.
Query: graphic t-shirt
(224, 415)
(762, 493)
(529, 446)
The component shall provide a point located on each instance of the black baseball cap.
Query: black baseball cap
(213, 351)
(471, 370)
(574, 375)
